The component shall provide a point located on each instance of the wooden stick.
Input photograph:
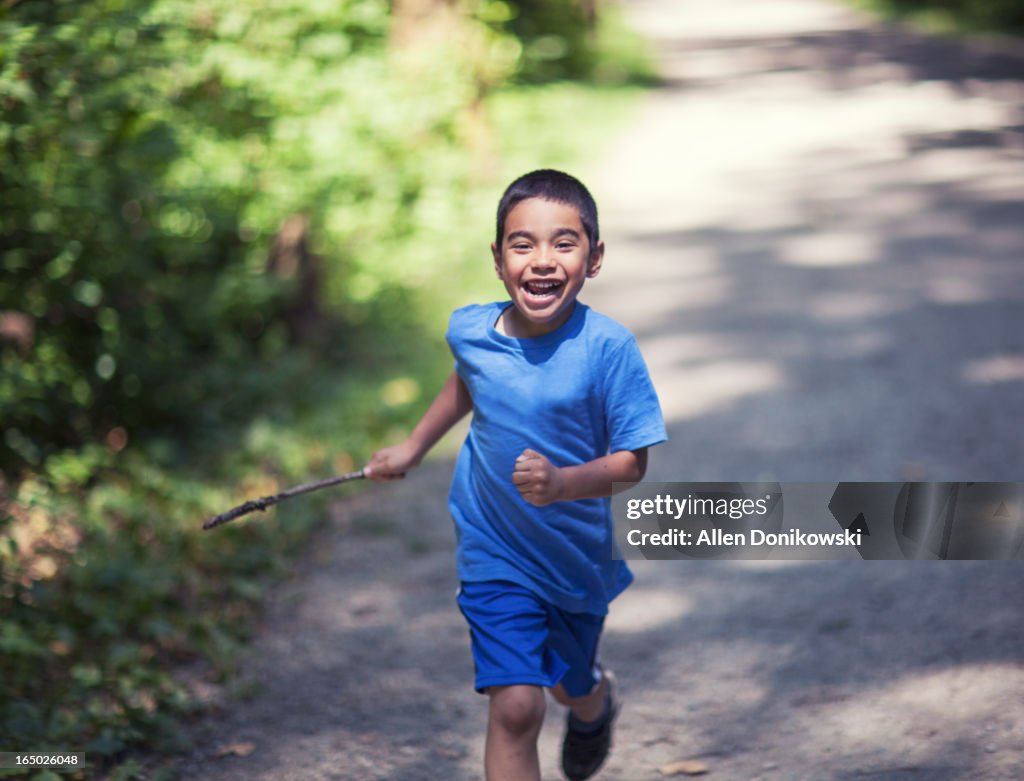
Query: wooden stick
(263, 503)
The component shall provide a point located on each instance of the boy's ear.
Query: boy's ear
(596, 259)
(496, 254)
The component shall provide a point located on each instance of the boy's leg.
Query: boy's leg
(514, 720)
(588, 727)
(589, 707)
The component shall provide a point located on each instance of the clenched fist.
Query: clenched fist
(392, 463)
(537, 479)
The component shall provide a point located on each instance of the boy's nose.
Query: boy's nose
(544, 259)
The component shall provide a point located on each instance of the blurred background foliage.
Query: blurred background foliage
(990, 16)
(230, 234)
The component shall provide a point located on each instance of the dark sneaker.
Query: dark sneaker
(583, 753)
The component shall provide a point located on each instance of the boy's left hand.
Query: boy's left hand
(537, 479)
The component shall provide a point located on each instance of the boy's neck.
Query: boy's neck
(512, 323)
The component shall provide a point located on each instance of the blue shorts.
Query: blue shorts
(518, 638)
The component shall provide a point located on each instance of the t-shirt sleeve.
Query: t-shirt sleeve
(632, 410)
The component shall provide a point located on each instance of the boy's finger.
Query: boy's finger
(381, 472)
(521, 476)
(528, 455)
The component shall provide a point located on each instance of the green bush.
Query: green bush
(149, 153)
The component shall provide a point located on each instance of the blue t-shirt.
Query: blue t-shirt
(573, 395)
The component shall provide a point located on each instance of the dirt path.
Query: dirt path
(816, 232)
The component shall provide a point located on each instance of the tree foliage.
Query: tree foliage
(149, 152)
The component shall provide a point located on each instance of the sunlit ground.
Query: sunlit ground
(818, 226)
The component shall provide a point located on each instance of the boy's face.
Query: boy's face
(544, 259)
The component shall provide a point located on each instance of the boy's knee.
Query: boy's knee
(517, 710)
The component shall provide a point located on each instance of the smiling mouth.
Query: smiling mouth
(542, 291)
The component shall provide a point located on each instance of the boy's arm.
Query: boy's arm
(540, 482)
(450, 405)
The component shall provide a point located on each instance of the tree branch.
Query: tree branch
(264, 502)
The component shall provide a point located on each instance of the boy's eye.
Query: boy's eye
(565, 245)
(520, 246)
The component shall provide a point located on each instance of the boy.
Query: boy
(562, 408)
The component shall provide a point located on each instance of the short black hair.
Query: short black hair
(551, 185)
